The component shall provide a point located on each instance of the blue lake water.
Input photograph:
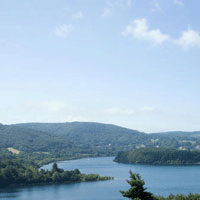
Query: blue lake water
(161, 180)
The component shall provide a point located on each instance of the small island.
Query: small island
(16, 173)
(159, 156)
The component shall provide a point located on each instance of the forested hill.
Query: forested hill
(83, 139)
(179, 134)
(96, 138)
(81, 129)
(98, 133)
(71, 140)
(28, 140)
(159, 156)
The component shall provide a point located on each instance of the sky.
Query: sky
(133, 63)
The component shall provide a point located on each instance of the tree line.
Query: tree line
(13, 172)
(159, 156)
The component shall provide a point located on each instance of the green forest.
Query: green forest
(49, 142)
(14, 173)
(159, 156)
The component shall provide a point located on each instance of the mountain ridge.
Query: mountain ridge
(88, 138)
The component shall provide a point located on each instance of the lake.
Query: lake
(161, 180)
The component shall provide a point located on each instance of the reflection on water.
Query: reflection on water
(10, 193)
(8, 196)
(159, 180)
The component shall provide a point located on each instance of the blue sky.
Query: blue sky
(134, 63)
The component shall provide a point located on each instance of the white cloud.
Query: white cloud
(156, 6)
(178, 2)
(147, 109)
(188, 39)
(119, 3)
(77, 15)
(63, 30)
(112, 5)
(54, 110)
(139, 29)
(54, 106)
(120, 111)
(106, 12)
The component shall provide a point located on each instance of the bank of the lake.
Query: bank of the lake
(14, 173)
(159, 156)
(161, 180)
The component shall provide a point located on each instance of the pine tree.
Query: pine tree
(55, 167)
(137, 190)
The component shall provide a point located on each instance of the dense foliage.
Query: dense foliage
(48, 142)
(159, 156)
(107, 139)
(14, 172)
(69, 140)
(137, 191)
(180, 197)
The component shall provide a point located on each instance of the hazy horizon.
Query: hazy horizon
(98, 123)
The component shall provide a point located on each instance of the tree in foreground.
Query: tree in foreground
(137, 190)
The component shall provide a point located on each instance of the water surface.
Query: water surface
(161, 180)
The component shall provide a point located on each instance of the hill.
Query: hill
(83, 139)
(81, 129)
(69, 140)
(90, 137)
(159, 156)
(28, 140)
(179, 134)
